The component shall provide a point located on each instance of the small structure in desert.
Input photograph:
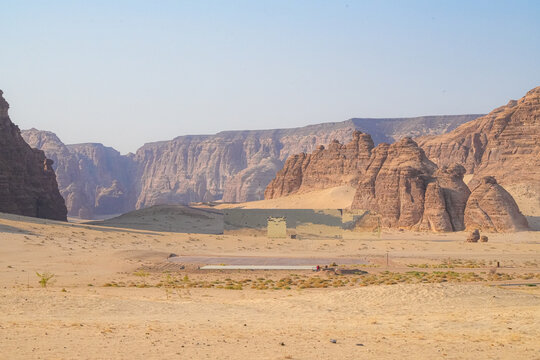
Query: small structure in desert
(277, 227)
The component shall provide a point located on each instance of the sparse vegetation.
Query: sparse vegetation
(293, 281)
(45, 278)
(453, 263)
(143, 275)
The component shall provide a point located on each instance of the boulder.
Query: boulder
(474, 236)
(491, 208)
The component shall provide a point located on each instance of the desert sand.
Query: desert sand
(105, 301)
(339, 197)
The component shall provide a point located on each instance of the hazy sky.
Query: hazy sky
(128, 72)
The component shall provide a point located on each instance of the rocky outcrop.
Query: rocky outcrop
(474, 236)
(491, 208)
(455, 193)
(394, 185)
(407, 190)
(324, 168)
(504, 144)
(233, 166)
(27, 180)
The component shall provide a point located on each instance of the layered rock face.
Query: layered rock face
(491, 208)
(504, 144)
(27, 181)
(395, 183)
(249, 184)
(325, 167)
(404, 189)
(408, 191)
(455, 193)
(92, 178)
(233, 166)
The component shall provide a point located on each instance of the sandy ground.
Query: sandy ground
(170, 218)
(340, 197)
(77, 316)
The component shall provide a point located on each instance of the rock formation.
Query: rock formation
(324, 168)
(491, 208)
(27, 181)
(504, 144)
(407, 190)
(397, 182)
(455, 193)
(401, 185)
(233, 165)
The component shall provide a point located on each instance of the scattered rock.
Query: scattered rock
(474, 236)
(483, 238)
(333, 341)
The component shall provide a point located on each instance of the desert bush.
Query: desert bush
(45, 278)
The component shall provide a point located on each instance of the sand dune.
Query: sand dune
(171, 218)
(339, 197)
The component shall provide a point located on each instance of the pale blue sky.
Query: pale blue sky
(128, 72)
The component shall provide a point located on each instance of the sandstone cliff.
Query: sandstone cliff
(324, 168)
(233, 166)
(401, 187)
(27, 181)
(504, 144)
(92, 178)
(408, 191)
(491, 208)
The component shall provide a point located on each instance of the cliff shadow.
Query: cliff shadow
(14, 230)
(534, 222)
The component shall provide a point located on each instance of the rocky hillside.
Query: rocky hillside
(400, 187)
(504, 144)
(234, 166)
(407, 190)
(409, 187)
(27, 181)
